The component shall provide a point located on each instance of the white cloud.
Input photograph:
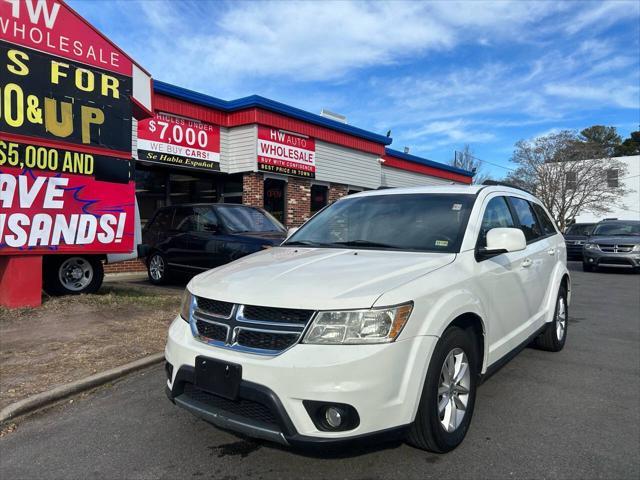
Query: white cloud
(314, 40)
(602, 15)
(612, 93)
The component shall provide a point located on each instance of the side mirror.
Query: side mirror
(503, 240)
(292, 230)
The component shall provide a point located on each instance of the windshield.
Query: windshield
(617, 229)
(239, 219)
(417, 222)
(582, 229)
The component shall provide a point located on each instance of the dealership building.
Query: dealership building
(255, 151)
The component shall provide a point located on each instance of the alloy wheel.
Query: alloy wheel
(453, 389)
(561, 319)
(156, 267)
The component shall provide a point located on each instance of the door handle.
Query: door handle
(551, 251)
(527, 262)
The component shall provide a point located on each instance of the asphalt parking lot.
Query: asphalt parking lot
(573, 414)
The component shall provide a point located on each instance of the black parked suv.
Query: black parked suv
(196, 237)
(574, 238)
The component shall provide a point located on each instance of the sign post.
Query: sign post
(67, 99)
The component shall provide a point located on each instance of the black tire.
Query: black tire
(548, 340)
(164, 274)
(57, 271)
(426, 432)
(586, 267)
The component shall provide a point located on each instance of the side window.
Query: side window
(162, 221)
(206, 220)
(528, 223)
(545, 221)
(184, 220)
(496, 215)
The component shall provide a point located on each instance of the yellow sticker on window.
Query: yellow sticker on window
(442, 243)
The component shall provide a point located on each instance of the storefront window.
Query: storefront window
(232, 189)
(274, 193)
(158, 187)
(151, 191)
(189, 188)
(319, 195)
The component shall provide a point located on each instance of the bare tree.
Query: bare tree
(568, 175)
(466, 160)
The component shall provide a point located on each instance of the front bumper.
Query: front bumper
(608, 259)
(382, 383)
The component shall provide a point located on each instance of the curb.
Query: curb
(36, 402)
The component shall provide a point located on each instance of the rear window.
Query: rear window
(526, 217)
(545, 222)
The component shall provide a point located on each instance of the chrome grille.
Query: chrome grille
(251, 328)
(616, 248)
(214, 307)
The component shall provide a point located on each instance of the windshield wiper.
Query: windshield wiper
(304, 243)
(364, 243)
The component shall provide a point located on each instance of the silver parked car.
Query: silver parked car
(613, 244)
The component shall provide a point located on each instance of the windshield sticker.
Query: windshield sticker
(442, 243)
(456, 206)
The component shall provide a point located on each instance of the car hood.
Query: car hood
(575, 237)
(619, 240)
(315, 278)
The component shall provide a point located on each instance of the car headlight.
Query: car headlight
(591, 246)
(188, 305)
(376, 325)
(636, 248)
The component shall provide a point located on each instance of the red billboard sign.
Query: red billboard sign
(286, 153)
(66, 109)
(51, 27)
(179, 141)
(90, 207)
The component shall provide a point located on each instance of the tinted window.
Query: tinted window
(496, 215)
(615, 228)
(206, 219)
(184, 219)
(545, 221)
(582, 229)
(527, 218)
(162, 221)
(240, 219)
(425, 222)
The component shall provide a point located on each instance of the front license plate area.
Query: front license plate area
(218, 377)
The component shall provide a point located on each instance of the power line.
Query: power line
(485, 161)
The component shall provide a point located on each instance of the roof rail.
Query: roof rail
(498, 183)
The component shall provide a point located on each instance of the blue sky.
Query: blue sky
(438, 74)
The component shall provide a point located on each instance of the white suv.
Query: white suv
(380, 315)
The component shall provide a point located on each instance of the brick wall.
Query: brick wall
(253, 189)
(298, 201)
(127, 266)
(337, 191)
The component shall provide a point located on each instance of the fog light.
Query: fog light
(333, 416)
(591, 260)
